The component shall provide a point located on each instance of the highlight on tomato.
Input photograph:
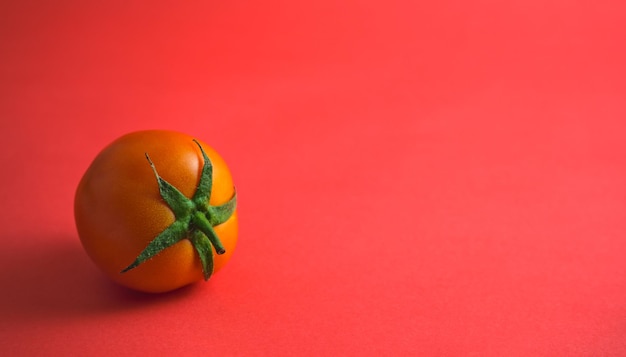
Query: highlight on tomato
(156, 210)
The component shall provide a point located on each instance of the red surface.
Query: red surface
(415, 178)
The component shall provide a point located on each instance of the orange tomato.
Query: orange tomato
(142, 209)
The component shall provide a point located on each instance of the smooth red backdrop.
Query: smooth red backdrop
(415, 177)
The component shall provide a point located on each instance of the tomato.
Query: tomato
(156, 210)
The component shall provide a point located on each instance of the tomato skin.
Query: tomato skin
(118, 208)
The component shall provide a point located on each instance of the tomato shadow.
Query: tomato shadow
(56, 280)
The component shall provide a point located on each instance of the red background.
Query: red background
(415, 177)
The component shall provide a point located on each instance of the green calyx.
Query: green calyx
(194, 219)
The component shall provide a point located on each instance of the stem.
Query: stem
(202, 223)
(195, 219)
